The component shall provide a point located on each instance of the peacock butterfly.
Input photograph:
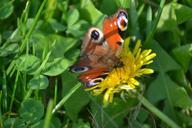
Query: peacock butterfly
(100, 49)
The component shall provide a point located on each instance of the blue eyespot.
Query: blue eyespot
(79, 69)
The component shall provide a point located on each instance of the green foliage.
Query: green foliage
(6, 9)
(40, 40)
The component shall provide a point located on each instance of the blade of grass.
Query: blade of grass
(28, 35)
(28, 94)
(55, 92)
(48, 115)
(50, 7)
(141, 8)
(157, 112)
(45, 60)
(134, 19)
(1, 117)
(149, 20)
(153, 29)
(65, 98)
(13, 94)
(21, 23)
(4, 96)
(109, 118)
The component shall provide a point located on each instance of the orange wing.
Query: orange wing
(100, 49)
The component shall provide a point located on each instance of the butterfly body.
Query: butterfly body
(100, 49)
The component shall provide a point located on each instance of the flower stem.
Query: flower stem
(157, 112)
(65, 98)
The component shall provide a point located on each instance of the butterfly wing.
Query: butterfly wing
(112, 28)
(90, 65)
(99, 50)
(94, 76)
(91, 73)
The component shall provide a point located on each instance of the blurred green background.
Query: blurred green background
(40, 40)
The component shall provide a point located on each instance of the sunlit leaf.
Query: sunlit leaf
(8, 49)
(73, 16)
(27, 63)
(89, 12)
(56, 67)
(168, 19)
(183, 12)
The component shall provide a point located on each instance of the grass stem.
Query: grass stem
(65, 98)
(157, 112)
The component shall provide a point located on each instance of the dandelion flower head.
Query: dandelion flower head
(124, 78)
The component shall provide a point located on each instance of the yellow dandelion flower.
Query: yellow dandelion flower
(124, 78)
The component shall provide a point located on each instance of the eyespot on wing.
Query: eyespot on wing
(96, 35)
(79, 69)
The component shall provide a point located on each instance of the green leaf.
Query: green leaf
(163, 87)
(56, 67)
(27, 63)
(62, 45)
(91, 13)
(8, 49)
(149, 20)
(73, 16)
(75, 30)
(183, 13)
(185, 119)
(123, 3)
(56, 122)
(168, 19)
(78, 29)
(183, 55)
(15, 36)
(81, 124)
(31, 111)
(40, 124)
(20, 123)
(106, 9)
(134, 19)
(112, 115)
(156, 91)
(14, 123)
(160, 91)
(79, 99)
(6, 9)
(180, 78)
(38, 82)
(163, 62)
(180, 97)
(56, 26)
